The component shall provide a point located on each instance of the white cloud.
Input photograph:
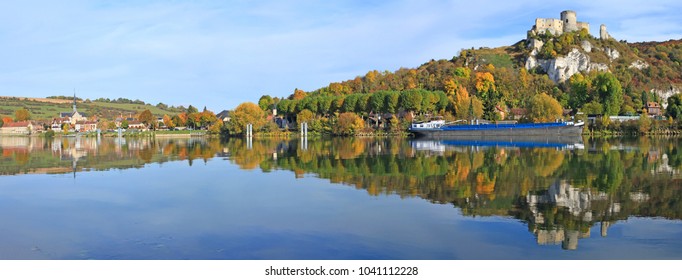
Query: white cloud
(220, 54)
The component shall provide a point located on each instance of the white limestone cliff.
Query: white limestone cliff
(561, 68)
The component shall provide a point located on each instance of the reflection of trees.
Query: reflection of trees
(65, 155)
(620, 179)
(617, 179)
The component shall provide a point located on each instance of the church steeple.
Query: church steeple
(74, 100)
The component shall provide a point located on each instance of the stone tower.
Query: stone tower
(603, 34)
(569, 20)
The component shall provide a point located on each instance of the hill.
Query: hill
(582, 72)
(48, 108)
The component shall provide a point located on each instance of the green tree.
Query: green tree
(579, 89)
(442, 101)
(362, 104)
(544, 108)
(283, 107)
(674, 109)
(246, 113)
(191, 109)
(22, 115)
(376, 101)
(593, 108)
(265, 103)
(610, 92)
(391, 101)
(325, 105)
(2, 122)
(349, 103)
(429, 101)
(411, 100)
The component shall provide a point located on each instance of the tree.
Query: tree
(180, 119)
(304, 116)
(469, 108)
(283, 107)
(644, 123)
(579, 89)
(391, 101)
(298, 94)
(324, 105)
(362, 104)
(2, 122)
(348, 124)
(246, 113)
(376, 101)
(411, 100)
(22, 115)
(544, 108)
(146, 118)
(168, 122)
(207, 118)
(593, 108)
(265, 102)
(191, 109)
(674, 109)
(349, 103)
(124, 125)
(6, 120)
(485, 87)
(610, 92)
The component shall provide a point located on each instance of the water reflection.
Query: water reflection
(560, 190)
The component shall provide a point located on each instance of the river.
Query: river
(342, 198)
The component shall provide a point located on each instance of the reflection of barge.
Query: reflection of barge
(439, 129)
(558, 142)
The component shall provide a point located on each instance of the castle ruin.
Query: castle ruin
(568, 22)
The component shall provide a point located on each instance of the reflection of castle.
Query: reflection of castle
(573, 201)
(564, 214)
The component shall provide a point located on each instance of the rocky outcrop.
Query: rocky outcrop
(586, 45)
(639, 64)
(664, 94)
(561, 68)
(535, 44)
(613, 54)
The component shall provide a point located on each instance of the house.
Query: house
(517, 113)
(501, 112)
(86, 126)
(653, 108)
(225, 115)
(58, 123)
(17, 128)
(136, 125)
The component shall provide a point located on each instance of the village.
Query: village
(76, 122)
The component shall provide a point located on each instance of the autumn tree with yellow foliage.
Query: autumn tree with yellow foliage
(487, 91)
(246, 113)
(544, 108)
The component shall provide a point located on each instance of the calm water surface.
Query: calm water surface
(84, 198)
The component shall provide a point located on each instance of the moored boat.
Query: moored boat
(441, 129)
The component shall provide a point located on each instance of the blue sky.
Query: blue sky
(221, 53)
